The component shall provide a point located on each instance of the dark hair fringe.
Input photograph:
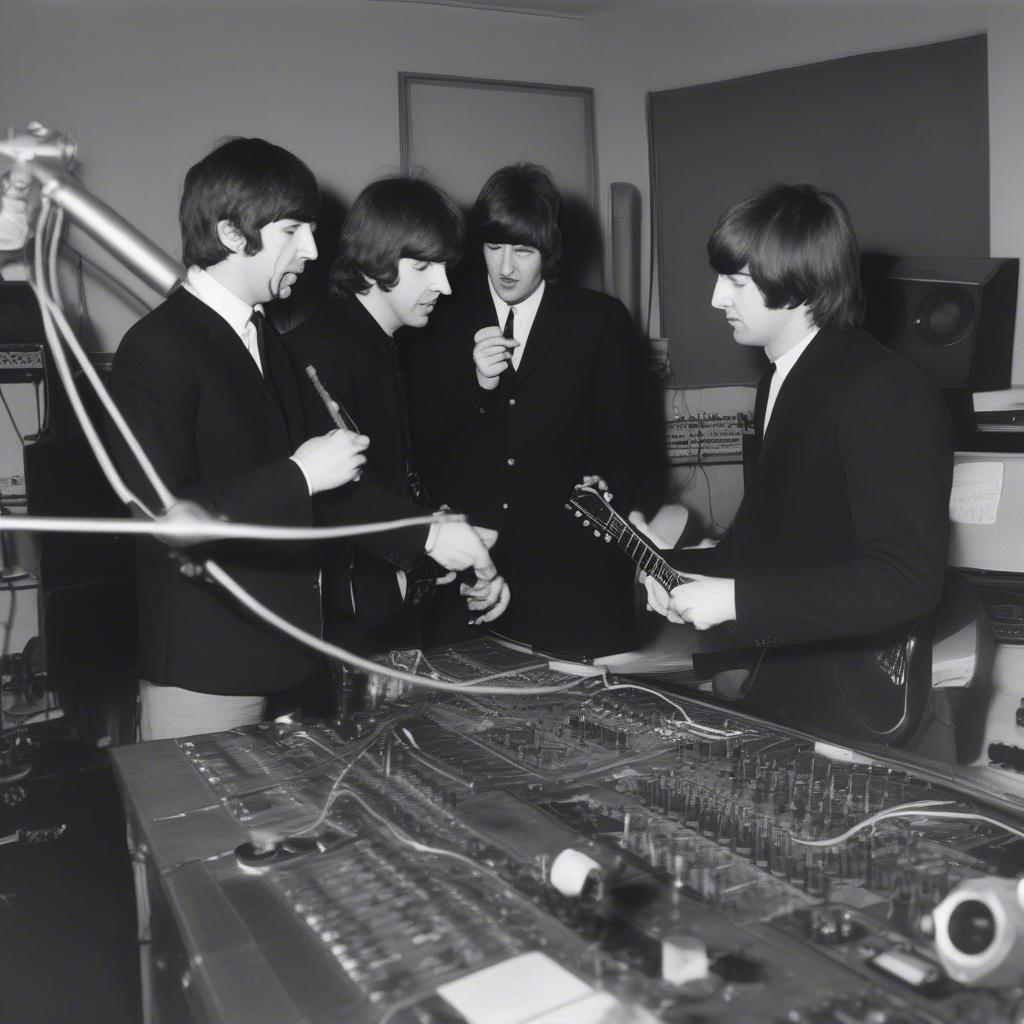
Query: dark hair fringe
(799, 246)
(249, 182)
(392, 219)
(519, 205)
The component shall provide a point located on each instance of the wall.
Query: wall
(665, 44)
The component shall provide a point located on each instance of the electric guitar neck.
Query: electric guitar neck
(594, 512)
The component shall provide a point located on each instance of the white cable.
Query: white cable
(408, 840)
(471, 685)
(333, 651)
(920, 808)
(39, 285)
(208, 530)
(109, 406)
(710, 730)
(364, 746)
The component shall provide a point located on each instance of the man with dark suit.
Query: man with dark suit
(205, 384)
(524, 389)
(843, 529)
(395, 244)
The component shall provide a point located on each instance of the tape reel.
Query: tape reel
(979, 932)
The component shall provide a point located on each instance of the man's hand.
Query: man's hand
(492, 355)
(332, 459)
(459, 546)
(707, 601)
(593, 480)
(488, 596)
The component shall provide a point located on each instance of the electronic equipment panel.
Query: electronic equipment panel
(599, 853)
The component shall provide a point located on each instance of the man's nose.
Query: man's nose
(307, 244)
(720, 296)
(441, 281)
(507, 261)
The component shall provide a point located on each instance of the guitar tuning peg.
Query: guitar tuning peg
(607, 538)
(597, 533)
(578, 513)
(586, 522)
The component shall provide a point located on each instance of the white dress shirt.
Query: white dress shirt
(238, 314)
(526, 313)
(783, 365)
(228, 306)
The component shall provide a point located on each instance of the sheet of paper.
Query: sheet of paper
(515, 991)
(977, 487)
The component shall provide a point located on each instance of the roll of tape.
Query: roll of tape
(979, 932)
(572, 872)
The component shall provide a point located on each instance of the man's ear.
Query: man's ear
(230, 237)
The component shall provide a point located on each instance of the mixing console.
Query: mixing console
(602, 853)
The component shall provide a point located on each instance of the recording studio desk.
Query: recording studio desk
(707, 909)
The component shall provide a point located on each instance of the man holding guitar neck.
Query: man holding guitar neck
(843, 529)
(524, 388)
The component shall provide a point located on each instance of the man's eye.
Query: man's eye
(420, 266)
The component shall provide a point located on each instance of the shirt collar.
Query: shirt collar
(225, 303)
(787, 361)
(526, 311)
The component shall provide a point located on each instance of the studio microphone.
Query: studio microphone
(14, 192)
(44, 154)
(141, 256)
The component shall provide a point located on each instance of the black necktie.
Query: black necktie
(761, 402)
(508, 331)
(263, 329)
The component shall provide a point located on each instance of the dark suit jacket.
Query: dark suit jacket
(196, 400)
(844, 527)
(509, 457)
(357, 364)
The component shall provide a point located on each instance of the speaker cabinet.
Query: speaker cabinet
(625, 217)
(951, 317)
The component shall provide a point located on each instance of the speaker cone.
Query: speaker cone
(945, 317)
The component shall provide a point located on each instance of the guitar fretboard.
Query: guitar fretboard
(633, 543)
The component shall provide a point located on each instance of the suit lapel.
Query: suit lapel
(217, 329)
(789, 400)
(544, 334)
(219, 333)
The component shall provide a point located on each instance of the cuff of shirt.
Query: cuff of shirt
(305, 475)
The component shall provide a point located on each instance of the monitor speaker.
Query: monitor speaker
(625, 216)
(951, 317)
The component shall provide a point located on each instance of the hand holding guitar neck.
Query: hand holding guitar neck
(594, 512)
(702, 600)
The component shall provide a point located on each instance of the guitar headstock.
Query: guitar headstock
(592, 509)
